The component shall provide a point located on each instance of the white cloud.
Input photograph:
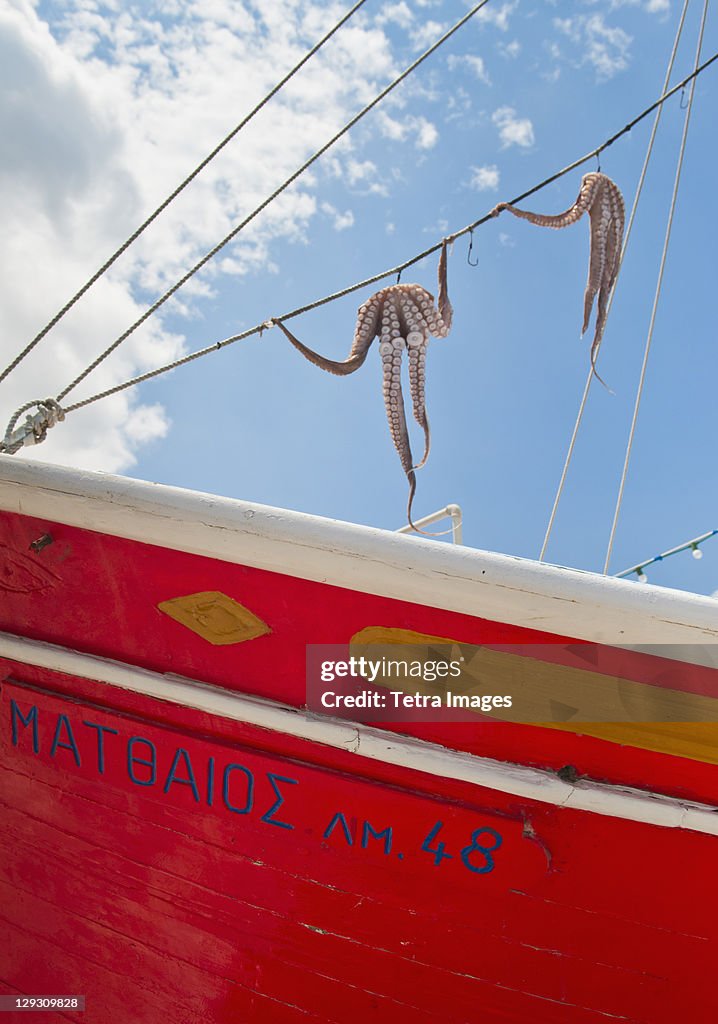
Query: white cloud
(485, 178)
(440, 227)
(475, 64)
(148, 424)
(651, 6)
(498, 15)
(512, 49)
(390, 127)
(102, 113)
(362, 176)
(603, 46)
(458, 104)
(607, 49)
(513, 130)
(426, 35)
(360, 170)
(425, 133)
(341, 221)
(400, 14)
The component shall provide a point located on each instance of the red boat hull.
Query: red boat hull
(192, 848)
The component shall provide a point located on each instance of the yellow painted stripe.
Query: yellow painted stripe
(557, 696)
(697, 741)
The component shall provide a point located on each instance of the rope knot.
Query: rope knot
(34, 429)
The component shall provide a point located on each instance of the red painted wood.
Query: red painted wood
(159, 907)
(45, 597)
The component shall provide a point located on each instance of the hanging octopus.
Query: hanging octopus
(602, 198)
(403, 317)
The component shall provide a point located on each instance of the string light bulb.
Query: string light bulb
(691, 545)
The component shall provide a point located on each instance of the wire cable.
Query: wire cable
(266, 324)
(590, 377)
(277, 192)
(659, 282)
(173, 195)
(692, 545)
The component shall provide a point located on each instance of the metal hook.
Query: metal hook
(683, 106)
(398, 277)
(598, 160)
(471, 247)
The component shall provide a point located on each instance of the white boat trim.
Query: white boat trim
(496, 587)
(375, 744)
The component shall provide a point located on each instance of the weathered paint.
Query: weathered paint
(146, 887)
(178, 861)
(362, 741)
(478, 584)
(128, 580)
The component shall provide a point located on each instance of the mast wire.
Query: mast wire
(277, 192)
(265, 325)
(589, 378)
(173, 195)
(659, 282)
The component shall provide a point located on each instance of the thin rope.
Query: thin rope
(267, 324)
(659, 282)
(173, 195)
(7, 446)
(49, 413)
(235, 231)
(590, 377)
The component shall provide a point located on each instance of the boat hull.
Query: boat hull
(183, 840)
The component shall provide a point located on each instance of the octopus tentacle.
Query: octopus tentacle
(446, 312)
(403, 316)
(391, 349)
(584, 201)
(602, 198)
(600, 219)
(365, 332)
(417, 343)
(610, 273)
(417, 340)
(613, 216)
(618, 221)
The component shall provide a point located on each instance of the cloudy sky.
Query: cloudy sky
(106, 105)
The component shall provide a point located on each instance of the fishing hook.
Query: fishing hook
(471, 247)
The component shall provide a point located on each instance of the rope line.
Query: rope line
(173, 195)
(35, 428)
(589, 378)
(292, 178)
(659, 283)
(266, 324)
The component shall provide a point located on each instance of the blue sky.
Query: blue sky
(108, 105)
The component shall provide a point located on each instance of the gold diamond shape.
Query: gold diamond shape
(215, 617)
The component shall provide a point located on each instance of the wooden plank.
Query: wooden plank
(581, 925)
